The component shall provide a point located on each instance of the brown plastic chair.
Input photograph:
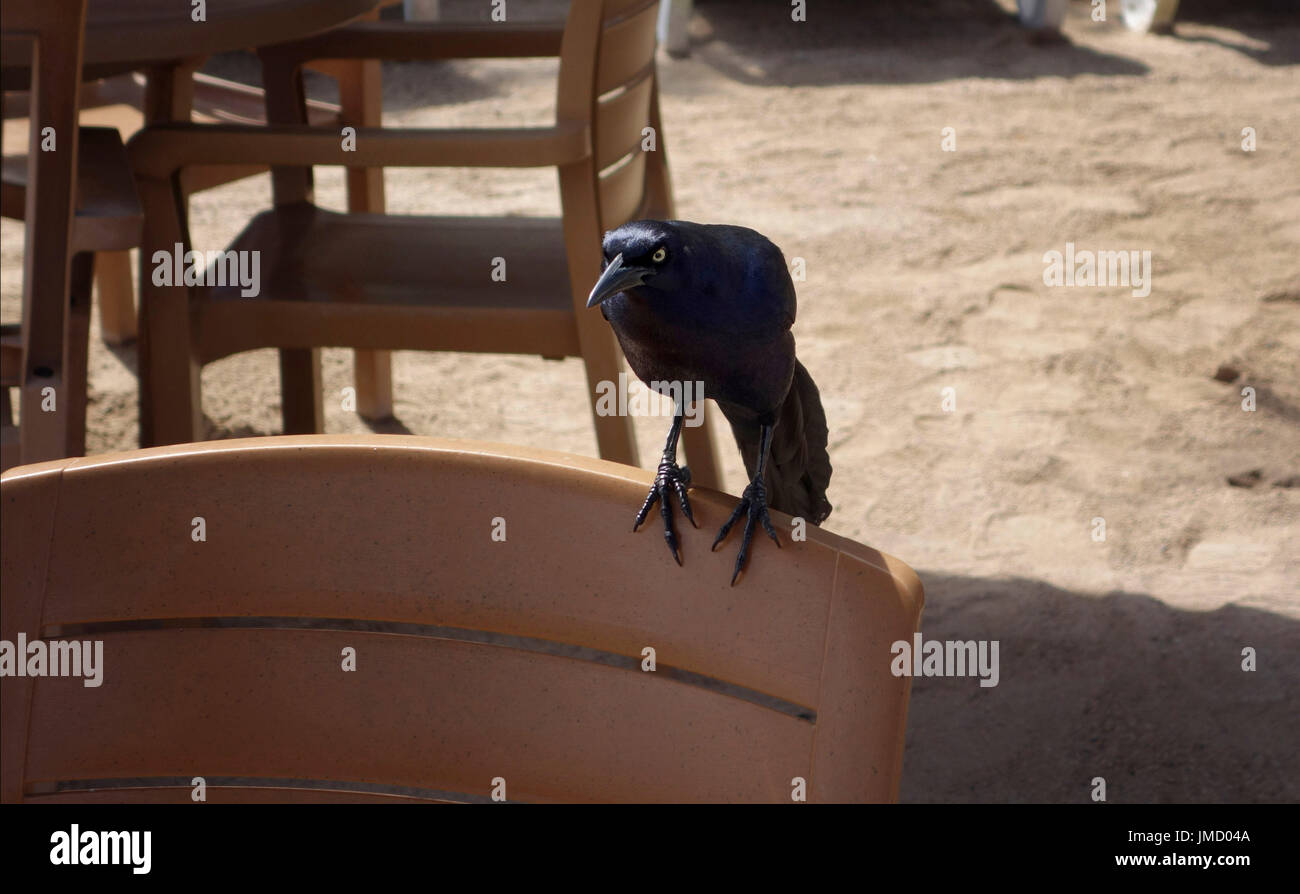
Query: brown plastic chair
(109, 103)
(79, 199)
(176, 92)
(383, 282)
(518, 656)
(117, 102)
(113, 102)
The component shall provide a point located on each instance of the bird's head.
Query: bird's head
(726, 278)
(645, 255)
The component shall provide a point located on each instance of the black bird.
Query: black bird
(709, 303)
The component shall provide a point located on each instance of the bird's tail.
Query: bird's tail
(798, 467)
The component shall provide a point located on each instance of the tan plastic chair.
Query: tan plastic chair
(382, 282)
(179, 92)
(81, 200)
(117, 102)
(516, 657)
(114, 288)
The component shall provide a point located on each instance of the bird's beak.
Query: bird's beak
(615, 279)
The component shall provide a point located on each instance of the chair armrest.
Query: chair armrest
(160, 150)
(237, 103)
(424, 41)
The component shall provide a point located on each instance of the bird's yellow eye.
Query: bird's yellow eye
(659, 256)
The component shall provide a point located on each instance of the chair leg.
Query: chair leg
(41, 434)
(48, 209)
(171, 408)
(53, 387)
(615, 437)
(43, 399)
(10, 447)
(361, 100)
(301, 401)
(76, 358)
(372, 373)
(701, 455)
(117, 320)
(47, 398)
(677, 40)
(302, 405)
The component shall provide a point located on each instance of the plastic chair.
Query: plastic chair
(384, 282)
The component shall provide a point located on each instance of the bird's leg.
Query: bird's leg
(753, 504)
(671, 480)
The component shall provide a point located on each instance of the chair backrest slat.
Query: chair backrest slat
(435, 716)
(620, 120)
(627, 44)
(622, 190)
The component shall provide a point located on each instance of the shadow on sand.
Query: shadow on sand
(1122, 686)
(885, 43)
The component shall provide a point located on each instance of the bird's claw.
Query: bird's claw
(753, 505)
(670, 480)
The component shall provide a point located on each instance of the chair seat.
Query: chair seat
(108, 215)
(386, 282)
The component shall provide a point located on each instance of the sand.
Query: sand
(1119, 658)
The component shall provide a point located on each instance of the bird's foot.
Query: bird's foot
(753, 505)
(671, 480)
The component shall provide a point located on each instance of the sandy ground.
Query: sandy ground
(1120, 658)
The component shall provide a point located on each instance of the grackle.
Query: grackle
(709, 303)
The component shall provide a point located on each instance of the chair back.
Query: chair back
(607, 77)
(381, 618)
